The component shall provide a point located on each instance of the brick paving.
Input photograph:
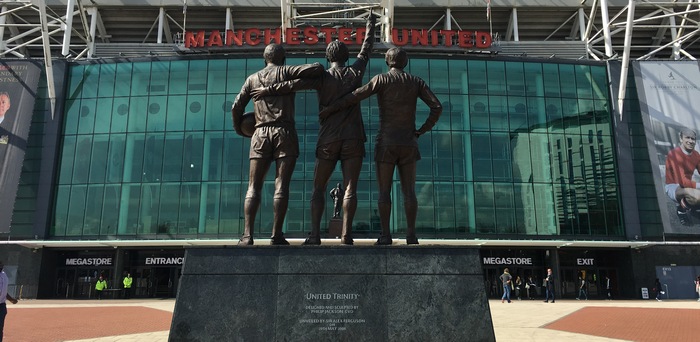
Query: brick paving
(148, 320)
(63, 324)
(634, 324)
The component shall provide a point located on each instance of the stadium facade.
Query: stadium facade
(118, 150)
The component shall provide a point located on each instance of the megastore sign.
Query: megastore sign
(324, 35)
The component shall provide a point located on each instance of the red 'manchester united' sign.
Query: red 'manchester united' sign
(311, 36)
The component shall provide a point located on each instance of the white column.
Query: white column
(2, 29)
(674, 35)
(93, 27)
(606, 27)
(68, 28)
(448, 19)
(161, 21)
(229, 23)
(514, 18)
(582, 24)
(388, 20)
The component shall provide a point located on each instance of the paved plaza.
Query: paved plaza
(149, 320)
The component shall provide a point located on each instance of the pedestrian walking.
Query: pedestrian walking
(4, 296)
(549, 286)
(697, 287)
(506, 279)
(657, 288)
(582, 291)
(518, 286)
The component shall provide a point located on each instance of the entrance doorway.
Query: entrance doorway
(157, 282)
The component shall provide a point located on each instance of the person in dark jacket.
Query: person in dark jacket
(549, 286)
(658, 290)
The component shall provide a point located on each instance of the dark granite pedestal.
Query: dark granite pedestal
(335, 227)
(332, 293)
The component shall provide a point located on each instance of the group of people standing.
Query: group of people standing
(509, 285)
(517, 285)
(101, 285)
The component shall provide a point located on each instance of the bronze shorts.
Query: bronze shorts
(341, 150)
(397, 155)
(274, 142)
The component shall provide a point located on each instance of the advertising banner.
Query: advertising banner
(669, 96)
(18, 84)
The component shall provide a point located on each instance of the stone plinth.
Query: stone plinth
(332, 293)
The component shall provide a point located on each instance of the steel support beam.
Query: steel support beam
(625, 58)
(68, 26)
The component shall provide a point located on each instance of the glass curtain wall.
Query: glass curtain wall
(523, 148)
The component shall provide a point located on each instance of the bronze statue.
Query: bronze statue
(275, 138)
(337, 196)
(341, 137)
(397, 138)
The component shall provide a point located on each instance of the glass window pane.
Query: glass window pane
(133, 157)
(216, 81)
(176, 114)
(111, 209)
(456, 112)
(138, 109)
(122, 85)
(60, 216)
(86, 125)
(72, 116)
(150, 203)
(140, 78)
(65, 174)
(76, 79)
(76, 210)
(82, 159)
(498, 113)
(120, 109)
(178, 78)
(477, 77)
(93, 210)
(481, 154)
(172, 161)
(484, 208)
(99, 158)
(195, 113)
(157, 109)
(197, 77)
(103, 115)
(160, 75)
(515, 78)
(192, 157)
(107, 78)
(496, 78)
(129, 212)
(217, 110)
(115, 161)
(153, 157)
(479, 112)
(457, 77)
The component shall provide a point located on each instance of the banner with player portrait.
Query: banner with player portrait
(669, 96)
(18, 85)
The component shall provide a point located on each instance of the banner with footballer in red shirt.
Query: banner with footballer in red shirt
(669, 97)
